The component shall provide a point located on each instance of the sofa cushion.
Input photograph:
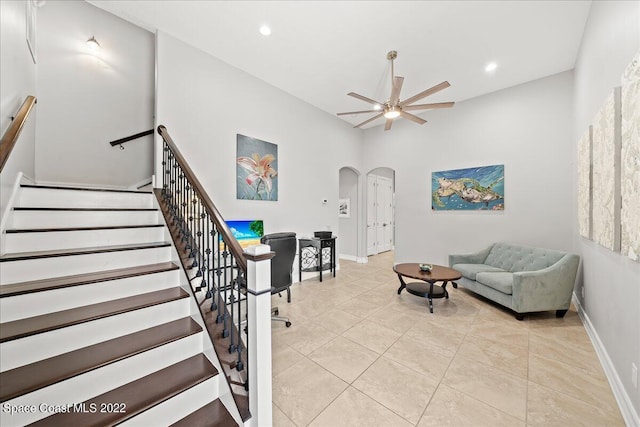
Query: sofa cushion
(501, 281)
(470, 270)
(521, 258)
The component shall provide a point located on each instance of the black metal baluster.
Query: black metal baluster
(206, 280)
(195, 226)
(241, 285)
(165, 161)
(221, 301)
(226, 284)
(232, 303)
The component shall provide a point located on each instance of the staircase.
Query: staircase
(97, 322)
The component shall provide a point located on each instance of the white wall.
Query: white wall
(611, 281)
(348, 231)
(527, 128)
(17, 81)
(205, 102)
(88, 100)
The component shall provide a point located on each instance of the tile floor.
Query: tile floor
(360, 355)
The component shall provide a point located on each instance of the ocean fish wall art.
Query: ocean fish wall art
(479, 188)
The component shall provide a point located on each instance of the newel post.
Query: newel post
(259, 333)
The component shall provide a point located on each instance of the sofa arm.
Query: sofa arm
(547, 289)
(475, 258)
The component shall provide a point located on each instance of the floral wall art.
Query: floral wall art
(479, 188)
(630, 161)
(256, 169)
(606, 173)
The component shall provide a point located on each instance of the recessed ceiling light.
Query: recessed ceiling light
(491, 66)
(265, 30)
(377, 107)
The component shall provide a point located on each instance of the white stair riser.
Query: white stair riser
(55, 198)
(65, 219)
(42, 268)
(177, 407)
(37, 303)
(83, 387)
(42, 241)
(41, 346)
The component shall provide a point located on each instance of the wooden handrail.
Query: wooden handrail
(12, 133)
(222, 227)
(130, 138)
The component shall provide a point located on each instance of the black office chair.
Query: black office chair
(284, 245)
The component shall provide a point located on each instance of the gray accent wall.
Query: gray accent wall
(611, 281)
(205, 103)
(88, 100)
(527, 128)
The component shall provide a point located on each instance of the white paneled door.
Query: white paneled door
(380, 220)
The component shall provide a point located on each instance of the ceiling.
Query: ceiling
(321, 50)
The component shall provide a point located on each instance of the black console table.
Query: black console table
(317, 254)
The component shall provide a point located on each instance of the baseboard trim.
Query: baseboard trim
(625, 405)
(359, 260)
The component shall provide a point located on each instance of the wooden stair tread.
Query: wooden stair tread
(139, 395)
(83, 279)
(62, 187)
(21, 256)
(213, 414)
(49, 230)
(28, 378)
(48, 322)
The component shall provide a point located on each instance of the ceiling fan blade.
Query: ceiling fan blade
(358, 112)
(395, 91)
(413, 118)
(365, 99)
(428, 106)
(370, 120)
(430, 91)
(388, 124)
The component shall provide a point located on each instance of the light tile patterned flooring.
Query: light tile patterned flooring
(360, 355)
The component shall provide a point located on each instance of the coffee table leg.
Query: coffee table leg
(402, 284)
(444, 288)
(430, 299)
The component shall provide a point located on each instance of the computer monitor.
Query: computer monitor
(247, 232)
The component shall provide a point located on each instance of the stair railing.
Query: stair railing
(130, 138)
(218, 266)
(12, 133)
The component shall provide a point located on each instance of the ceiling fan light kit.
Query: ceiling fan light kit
(393, 107)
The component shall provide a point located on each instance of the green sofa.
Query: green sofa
(521, 278)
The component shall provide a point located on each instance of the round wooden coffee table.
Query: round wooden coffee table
(427, 287)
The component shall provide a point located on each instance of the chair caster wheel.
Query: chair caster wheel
(287, 324)
(276, 312)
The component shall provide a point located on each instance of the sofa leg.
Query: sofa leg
(520, 316)
(560, 313)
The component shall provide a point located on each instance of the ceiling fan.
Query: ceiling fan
(393, 107)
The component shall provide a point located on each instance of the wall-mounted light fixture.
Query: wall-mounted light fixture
(92, 44)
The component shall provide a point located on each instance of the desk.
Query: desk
(427, 288)
(317, 254)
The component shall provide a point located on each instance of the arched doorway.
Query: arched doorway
(348, 213)
(380, 210)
